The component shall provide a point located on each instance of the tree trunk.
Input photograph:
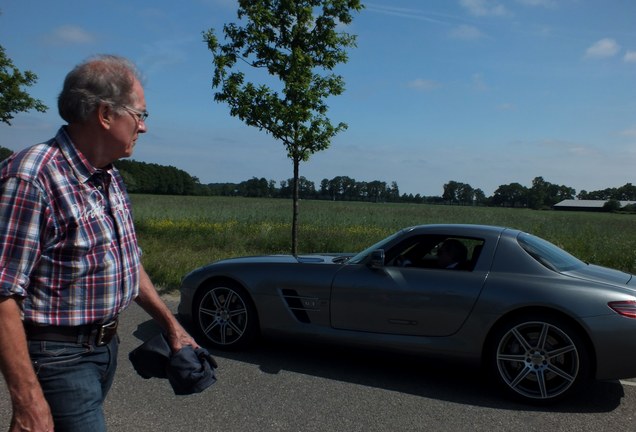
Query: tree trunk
(295, 195)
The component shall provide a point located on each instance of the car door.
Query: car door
(403, 300)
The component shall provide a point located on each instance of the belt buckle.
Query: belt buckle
(106, 333)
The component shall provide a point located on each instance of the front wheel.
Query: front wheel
(539, 359)
(225, 316)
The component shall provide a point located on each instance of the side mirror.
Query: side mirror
(377, 258)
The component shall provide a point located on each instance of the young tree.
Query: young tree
(12, 98)
(297, 42)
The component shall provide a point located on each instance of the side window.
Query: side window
(413, 252)
(437, 252)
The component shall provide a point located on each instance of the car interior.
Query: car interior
(424, 252)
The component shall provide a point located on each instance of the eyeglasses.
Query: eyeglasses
(141, 115)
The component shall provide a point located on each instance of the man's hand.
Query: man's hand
(150, 301)
(35, 417)
(180, 338)
(31, 412)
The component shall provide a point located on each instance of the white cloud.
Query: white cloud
(484, 7)
(629, 132)
(69, 34)
(630, 57)
(227, 4)
(160, 54)
(506, 106)
(568, 147)
(418, 14)
(479, 84)
(466, 32)
(424, 84)
(544, 3)
(602, 49)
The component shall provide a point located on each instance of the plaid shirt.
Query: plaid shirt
(67, 242)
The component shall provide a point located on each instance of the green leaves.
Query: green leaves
(12, 98)
(296, 44)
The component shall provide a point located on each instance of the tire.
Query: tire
(539, 358)
(226, 317)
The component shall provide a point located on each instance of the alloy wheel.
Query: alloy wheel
(223, 316)
(538, 360)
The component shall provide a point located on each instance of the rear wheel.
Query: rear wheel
(539, 358)
(225, 316)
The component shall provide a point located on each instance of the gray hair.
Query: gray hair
(101, 79)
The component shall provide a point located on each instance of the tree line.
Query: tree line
(141, 177)
(150, 178)
(340, 188)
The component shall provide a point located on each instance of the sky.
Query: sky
(483, 92)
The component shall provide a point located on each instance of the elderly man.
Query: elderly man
(69, 259)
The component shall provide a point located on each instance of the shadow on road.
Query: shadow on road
(441, 380)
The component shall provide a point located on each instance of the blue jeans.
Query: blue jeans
(75, 379)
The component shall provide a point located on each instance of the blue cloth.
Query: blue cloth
(75, 379)
(189, 370)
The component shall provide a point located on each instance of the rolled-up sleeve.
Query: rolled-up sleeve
(22, 214)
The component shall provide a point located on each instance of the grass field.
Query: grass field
(178, 234)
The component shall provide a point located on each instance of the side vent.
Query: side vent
(299, 305)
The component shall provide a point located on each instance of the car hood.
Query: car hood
(335, 258)
(603, 274)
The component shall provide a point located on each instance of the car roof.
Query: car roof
(462, 229)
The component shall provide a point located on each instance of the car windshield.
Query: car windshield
(548, 254)
(357, 259)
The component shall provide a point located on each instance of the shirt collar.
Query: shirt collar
(82, 168)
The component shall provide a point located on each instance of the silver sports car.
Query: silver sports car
(538, 319)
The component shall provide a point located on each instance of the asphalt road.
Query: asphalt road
(290, 387)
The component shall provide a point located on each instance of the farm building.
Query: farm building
(586, 205)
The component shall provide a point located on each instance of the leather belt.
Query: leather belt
(99, 334)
